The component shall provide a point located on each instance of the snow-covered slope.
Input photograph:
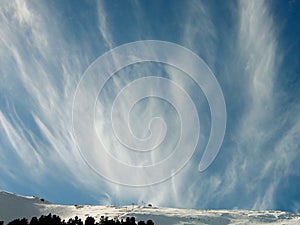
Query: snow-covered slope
(15, 206)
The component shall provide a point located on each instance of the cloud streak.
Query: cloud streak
(44, 54)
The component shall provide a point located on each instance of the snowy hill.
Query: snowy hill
(15, 206)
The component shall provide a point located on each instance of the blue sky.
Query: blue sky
(252, 48)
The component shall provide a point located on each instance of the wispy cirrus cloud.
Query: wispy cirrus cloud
(257, 150)
(37, 86)
(104, 24)
(44, 54)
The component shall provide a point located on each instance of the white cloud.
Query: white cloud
(40, 69)
(104, 25)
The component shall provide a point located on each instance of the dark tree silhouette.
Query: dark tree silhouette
(19, 222)
(89, 221)
(150, 222)
(34, 221)
(56, 220)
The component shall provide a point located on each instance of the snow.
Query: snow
(15, 206)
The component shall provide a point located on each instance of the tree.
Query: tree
(34, 221)
(150, 222)
(23, 221)
(56, 220)
(89, 221)
(132, 220)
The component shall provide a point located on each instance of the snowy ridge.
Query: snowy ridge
(15, 206)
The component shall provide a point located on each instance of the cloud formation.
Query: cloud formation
(45, 48)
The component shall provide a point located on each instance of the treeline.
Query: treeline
(56, 220)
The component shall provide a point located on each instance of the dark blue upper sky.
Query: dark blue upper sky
(251, 47)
